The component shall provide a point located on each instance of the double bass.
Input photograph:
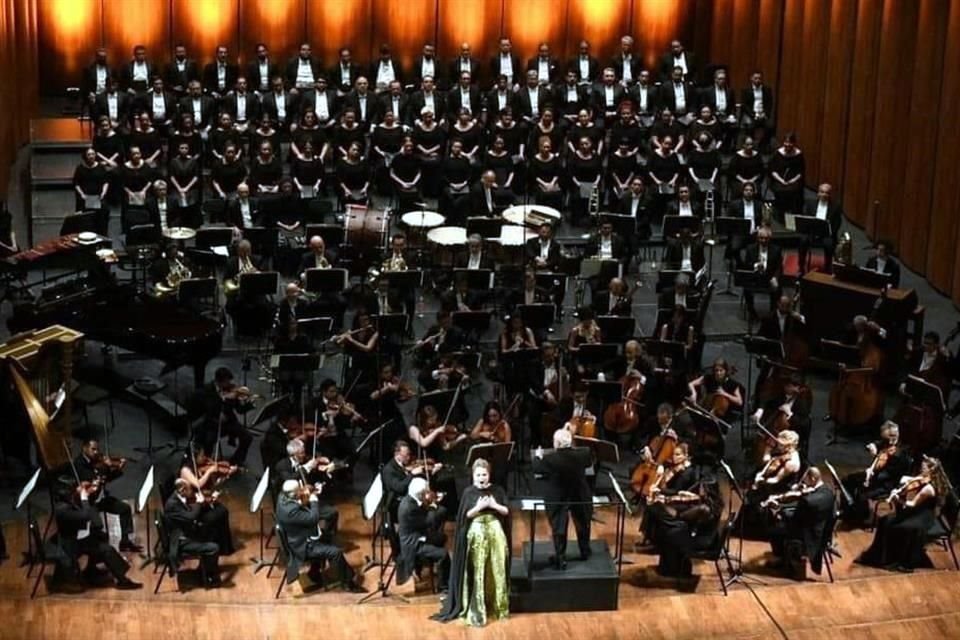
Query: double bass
(857, 399)
(624, 417)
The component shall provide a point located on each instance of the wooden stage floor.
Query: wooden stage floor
(863, 603)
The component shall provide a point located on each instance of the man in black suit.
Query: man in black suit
(201, 107)
(363, 102)
(626, 64)
(570, 97)
(677, 56)
(427, 96)
(564, 470)
(113, 104)
(159, 104)
(483, 196)
(242, 105)
(220, 75)
(426, 64)
(183, 512)
(261, 70)
(396, 102)
(606, 244)
(614, 301)
(280, 105)
(385, 70)
(345, 72)
(88, 466)
(464, 94)
(529, 293)
(747, 207)
(461, 297)
(782, 321)
(679, 96)
(302, 70)
(635, 202)
(163, 209)
(679, 295)
(684, 252)
(180, 71)
(308, 543)
(823, 208)
(500, 97)
(532, 98)
(476, 257)
(420, 529)
(546, 66)
(646, 97)
(758, 118)
(543, 252)
(244, 211)
(800, 531)
(794, 405)
(684, 205)
(722, 101)
(766, 259)
(464, 62)
(584, 65)
(323, 101)
(883, 262)
(607, 96)
(137, 73)
(396, 475)
(505, 63)
(75, 514)
(218, 404)
(95, 77)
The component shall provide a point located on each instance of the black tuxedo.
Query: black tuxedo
(599, 100)
(564, 474)
(308, 100)
(770, 326)
(800, 418)
(73, 517)
(232, 270)
(88, 80)
(803, 529)
(87, 472)
(746, 99)
(640, 213)
(335, 77)
(673, 254)
(473, 299)
(751, 256)
(300, 523)
(533, 64)
(144, 102)
(174, 78)
(617, 246)
(573, 64)
(454, 70)
(828, 243)
(269, 101)
(210, 78)
(636, 66)
(668, 97)
(478, 202)
(207, 110)
(417, 521)
(524, 103)
(404, 114)
(124, 103)
(173, 211)
(495, 68)
(486, 262)
(673, 208)
(255, 80)
(532, 251)
(516, 297)
(455, 102)
(708, 96)
(127, 81)
(601, 305)
(293, 64)
(396, 480)
(253, 106)
(667, 299)
(234, 217)
(352, 101)
(653, 99)
(492, 101)
(416, 72)
(834, 215)
(891, 268)
(418, 102)
(186, 535)
(667, 63)
(375, 66)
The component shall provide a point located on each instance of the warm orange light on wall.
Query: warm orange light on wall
(656, 23)
(70, 19)
(529, 22)
(69, 33)
(276, 13)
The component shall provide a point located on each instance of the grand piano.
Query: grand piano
(89, 299)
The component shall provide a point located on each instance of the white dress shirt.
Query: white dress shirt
(159, 106)
(281, 107)
(304, 74)
(534, 101)
(608, 96)
(112, 105)
(241, 107)
(101, 79)
(686, 261)
(162, 211)
(643, 93)
(465, 99)
(245, 212)
(821, 210)
(427, 68)
(321, 106)
(345, 74)
(679, 97)
(606, 248)
(721, 99)
(474, 260)
(749, 213)
(428, 101)
(627, 71)
(684, 209)
(584, 64)
(543, 69)
(681, 62)
(385, 73)
(544, 249)
(264, 67)
(757, 100)
(506, 66)
(362, 100)
(140, 72)
(221, 76)
(196, 106)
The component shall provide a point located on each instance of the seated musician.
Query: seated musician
(763, 258)
(316, 258)
(291, 309)
(252, 314)
(334, 416)
(801, 517)
(747, 207)
(461, 297)
(891, 461)
(76, 513)
(543, 252)
(823, 208)
(931, 363)
(299, 514)
(361, 345)
(420, 527)
(607, 245)
(685, 252)
(547, 382)
(574, 411)
(205, 475)
(791, 408)
(615, 301)
(442, 337)
(586, 331)
(529, 294)
(663, 424)
(680, 294)
(331, 303)
(244, 212)
(636, 203)
(778, 473)
(219, 403)
(685, 205)
(783, 321)
(183, 512)
(384, 400)
(900, 537)
(435, 442)
(93, 466)
(720, 392)
(300, 466)
(491, 427)
(476, 257)
(634, 358)
(292, 341)
(169, 269)
(399, 259)
(883, 262)
(516, 336)
(679, 328)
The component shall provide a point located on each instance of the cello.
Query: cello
(622, 417)
(646, 475)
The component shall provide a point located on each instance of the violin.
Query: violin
(771, 468)
(107, 465)
(220, 468)
(431, 499)
(623, 417)
(776, 502)
(340, 406)
(880, 461)
(907, 490)
(238, 394)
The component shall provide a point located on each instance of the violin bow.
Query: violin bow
(73, 466)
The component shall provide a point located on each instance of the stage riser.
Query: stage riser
(590, 585)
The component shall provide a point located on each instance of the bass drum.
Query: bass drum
(364, 236)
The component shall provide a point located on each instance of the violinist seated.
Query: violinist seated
(891, 461)
(297, 465)
(299, 515)
(80, 532)
(184, 512)
(546, 384)
(445, 373)
(684, 253)
(802, 517)
(577, 414)
(779, 470)
(206, 475)
(615, 301)
(716, 391)
(397, 473)
(420, 522)
(680, 294)
(790, 410)
(900, 537)
(273, 446)
(219, 403)
(493, 428)
(586, 331)
(766, 259)
(252, 315)
(92, 465)
(334, 416)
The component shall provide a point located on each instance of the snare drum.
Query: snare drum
(179, 233)
(531, 215)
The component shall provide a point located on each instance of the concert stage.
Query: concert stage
(585, 585)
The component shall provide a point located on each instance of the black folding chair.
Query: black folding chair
(163, 560)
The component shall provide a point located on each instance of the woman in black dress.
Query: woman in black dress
(545, 127)
(787, 169)
(667, 127)
(470, 133)
(746, 165)
(706, 122)
(584, 170)
(186, 132)
(663, 171)
(228, 173)
(361, 345)
(622, 167)
(406, 176)
(266, 170)
(584, 127)
(353, 177)
(145, 136)
(545, 182)
(184, 174)
(430, 141)
(90, 179)
(108, 144)
(717, 384)
(900, 538)
(703, 163)
(265, 133)
(385, 143)
(222, 136)
(346, 131)
(309, 131)
(498, 159)
(135, 179)
(307, 171)
(455, 185)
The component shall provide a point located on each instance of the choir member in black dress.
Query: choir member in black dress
(353, 176)
(584, 170)
(145, 135)
(497, 158)
(469, 131)
(667, 127)
(266, 169)
(228, 173)
(663, 171)
(90, 179)
(309, 130)
(307, 172)
(787, 169)
(585, 127)
(429, 139)
(622, 167)
(348, 130)
(565, 482)
(406, 174)
(545, 127)
(222, 135)
(455, 174)
(546, 184)
(703, 165)
(746, 165)
(108, 144)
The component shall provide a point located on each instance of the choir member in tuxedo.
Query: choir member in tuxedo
(747, 207)
(505, 63)
(531, 99)
(303, 69)
(614, 301)
(546, 66)
(429, 97)
(345, 72)
(180, 71)
(385, 70)
(420, 527)
(300, 523)
(646, 97)
(678, 95)
(396, 102)
(280, 105)
(787, 170)
(883, 262)
(464, 63)
(767, 259)
(95, 77)
(220, 76)
(183, 512)
(757, 101)
(823, 208)
(243, 106)
(571, 98)
(684, 205)
(680, 294)
(626, 64)
(678, 57)
(261, 70)
(164, 209)
(890, 462)
(427, 65)
(607, 96)
(722, 101)
(160, 105)
(137, 73)
(113, 104)
(564, 470)
(801, 523)
(464, 95)
(500, 97)
(584, 65)
(684, 253)
(201, 107)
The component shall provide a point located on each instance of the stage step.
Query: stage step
(590, 585)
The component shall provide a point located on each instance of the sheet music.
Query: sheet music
(91, 202)
(260, 491)
(373, 497)
(28, 489)
(144, 495)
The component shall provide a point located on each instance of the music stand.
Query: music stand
(664, 349)
(315, 327)
(597, 353)
(488, 228)
(298, 368)
(391, 324)
(476, 278)
(256, 504)
(771, 353)
(30, 555)
(736, 573)
(327, 280)
(607, 391)
(617, 328)
(811, 226)
(272, 410)
(262, 283)
(754, 281)
(210, 237)
(404, 280)
(539, 316)
(673, 225)
(143, 506)
(471, 321)
(668, 278)
(441, 399)
(374, 504)
(729, 226)
(79, 223)
(197, 289)
(624, 225)
(260, 239)
(142, 235)
(498, 454)
(705, 422)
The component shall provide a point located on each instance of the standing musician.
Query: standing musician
(299, 466)
(547, 383)
(206, 474)
(183, 512)
(93, 466)
(721, 393)
(564, 469)
(420, 524)
(299, 515)
(362, 346)
(782, 321)
(891, 461)
(801, 518)
(767, 259)
(220, 402)
(922, 418)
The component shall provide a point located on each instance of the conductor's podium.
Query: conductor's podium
(585, 585)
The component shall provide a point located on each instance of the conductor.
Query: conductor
(565, 471)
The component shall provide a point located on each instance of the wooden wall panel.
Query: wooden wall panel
(912, 196)
(887, 157)
(18, 81)
(791, 83)
(280, 24)
(863, 90)
(477, 22)
(943, 259)
(121, 34)
(406, 26)
(657, 22)
(769, 42)
(813, 63)
(343, 23)
(836, 97)
(69, 31)
(203, 25)
(599, 23)
(528, 22)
